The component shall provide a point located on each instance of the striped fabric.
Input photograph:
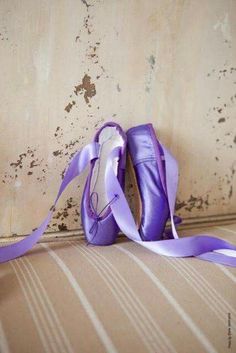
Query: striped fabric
(69, 297)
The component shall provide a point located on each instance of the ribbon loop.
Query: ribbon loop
(75, 168)
(201, 246)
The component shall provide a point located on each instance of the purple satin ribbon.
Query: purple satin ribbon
(76, 167)
(201, 246)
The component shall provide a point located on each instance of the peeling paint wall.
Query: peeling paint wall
(69, 66)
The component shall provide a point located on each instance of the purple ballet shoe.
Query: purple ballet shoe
(146, 156)
(105, 209)
(99, 225)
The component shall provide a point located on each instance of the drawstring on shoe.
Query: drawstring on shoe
(94, 205)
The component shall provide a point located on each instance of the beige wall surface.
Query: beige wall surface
(67, 66)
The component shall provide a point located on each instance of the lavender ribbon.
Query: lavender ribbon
(201, 246)
(76, 167)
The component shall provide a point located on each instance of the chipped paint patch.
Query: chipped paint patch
(118, 87)
(88, 24)
(221, 112)
(60, 218)
(2, 37)
(87, 88)
(230, 192)
(57, 153)
(92, 53)
(194, 202)
(85, 3)
(152, 63)
(221, 120)
(23, 165)
(69, 106)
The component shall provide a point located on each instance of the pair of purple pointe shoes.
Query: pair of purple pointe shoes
(98, 220)
(104, 208)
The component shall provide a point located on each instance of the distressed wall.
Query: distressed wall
(67, 66)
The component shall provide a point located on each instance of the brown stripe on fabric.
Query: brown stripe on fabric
(20, 329)
(147, 328)
(172, 304)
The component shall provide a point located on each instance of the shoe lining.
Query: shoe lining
(109, 138)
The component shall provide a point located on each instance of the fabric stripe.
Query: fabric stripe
(227, 230)
(46, 319)
(169, 297)
(121, 300)
(208, 293)
(216, 295)
(221, 302)
(133, 307)
(227, 272)
(103, 335)
(64, 344)
(31, 305)
(52, 334)
(146, 317)
(4, 348)
(198, 288)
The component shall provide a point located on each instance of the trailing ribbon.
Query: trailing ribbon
(76, 167)
(200, 246)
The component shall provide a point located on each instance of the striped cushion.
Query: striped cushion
(69, 297)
